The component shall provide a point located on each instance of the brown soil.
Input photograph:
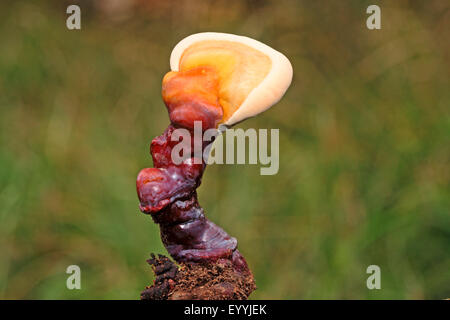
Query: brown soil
(218, 281)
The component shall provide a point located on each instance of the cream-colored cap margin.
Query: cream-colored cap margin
(267, 93)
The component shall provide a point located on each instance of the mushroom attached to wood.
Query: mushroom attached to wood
(217, 79)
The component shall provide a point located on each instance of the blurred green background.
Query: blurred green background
(364, 147)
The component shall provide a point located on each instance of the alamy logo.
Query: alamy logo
(74, 20)
(374, 280)
(374, 20)
(258, 142)
(74, 280)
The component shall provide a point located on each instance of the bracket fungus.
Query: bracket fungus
(217, 79)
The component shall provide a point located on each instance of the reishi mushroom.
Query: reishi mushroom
(218, 79)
